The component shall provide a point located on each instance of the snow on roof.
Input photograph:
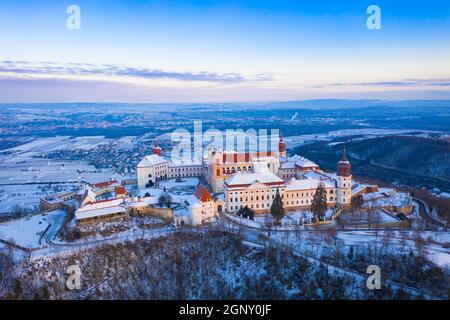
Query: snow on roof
(185, 163)
(260, 167)
(357, 187)
(288, 165)
(146, 201)
(151, 160)
(138, 203)
(196, 205)
(250, 178)
(100, 208)
(52, 199)
(88, 197)
(301, 161)
(190, 200)
(101, 204)
(99, 212)
(307, 184)
(318, 175)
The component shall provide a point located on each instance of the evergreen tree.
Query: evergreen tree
(165, 199)
(168, 200)
(17, 288)
(247, 213)
(350, 253)
(319, 202)
(161, 200)
(277, 209)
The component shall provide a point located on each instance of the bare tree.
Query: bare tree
(268, 226)
(420, 244)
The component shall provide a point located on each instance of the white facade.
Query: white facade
(154, 168)
(299, 193)
(296, 165)
(254, 190)
(197, 210)
(344, 190)
(185, 170)
(151, 169)
(220, 166)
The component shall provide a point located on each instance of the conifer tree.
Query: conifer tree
(319, 202)
(277, 209)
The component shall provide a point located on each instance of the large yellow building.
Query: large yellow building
(252, 179)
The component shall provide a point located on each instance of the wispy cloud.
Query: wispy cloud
(108, 70)
(400, 83)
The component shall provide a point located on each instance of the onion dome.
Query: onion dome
(344, 166)
(281, 144)
(157, 149)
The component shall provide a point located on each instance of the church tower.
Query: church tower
(215, 176)
(282, 147)
(344, 181)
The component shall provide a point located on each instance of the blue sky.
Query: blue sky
(207, 51)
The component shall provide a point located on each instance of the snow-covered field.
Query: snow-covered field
(386, 197)
(294, 141)
(23, 174)
(59, 143)
(437, 250)
(27, 232)
(24, 232)
(291, 218)
(37, 170)
(365, 218)
(23, 196)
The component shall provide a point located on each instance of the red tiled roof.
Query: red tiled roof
(243, 157)
(120, 190)
(104, 184)
(203, 194)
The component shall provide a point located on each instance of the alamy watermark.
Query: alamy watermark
(374, 280)
(74, 280)
(73, 22)
(194, 146)
(374, 20)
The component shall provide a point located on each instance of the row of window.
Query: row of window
(252, 206)
(268, 204)
(256, 191)
(234, 170)
(251, 198)
(184, 175)
(307, 194)
(299, 202)
(185, 169)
